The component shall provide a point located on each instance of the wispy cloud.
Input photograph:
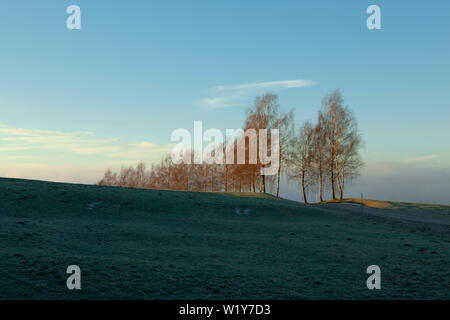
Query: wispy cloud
(421, 159)
(21, 139)
(269, 85)
(224, 96)
(62, 156)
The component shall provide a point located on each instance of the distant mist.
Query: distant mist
(409, 182)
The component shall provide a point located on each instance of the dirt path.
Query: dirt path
(417, 218)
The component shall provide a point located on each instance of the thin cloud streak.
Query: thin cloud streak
(269, 84)
(422, 159)
(241, 94)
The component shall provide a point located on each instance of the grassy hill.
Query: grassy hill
(151, 244)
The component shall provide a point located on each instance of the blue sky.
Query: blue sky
(113, 92)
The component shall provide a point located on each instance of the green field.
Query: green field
(151, 244)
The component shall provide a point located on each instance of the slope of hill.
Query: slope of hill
(151, 244)
(421, 215)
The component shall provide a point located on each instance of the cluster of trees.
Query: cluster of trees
(327, 153)
(316, 156)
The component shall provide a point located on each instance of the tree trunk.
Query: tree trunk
(320, 183)
(226, 178)
(343, 181)
(263, 184)
(278, 181)
(303, 187)
(339, 181)
(279, 172)
(253, 179)
(205, 181)
(332, 181)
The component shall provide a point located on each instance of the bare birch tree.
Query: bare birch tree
(342, 140)
(285, 123)
(319, 156)
(300, 157)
